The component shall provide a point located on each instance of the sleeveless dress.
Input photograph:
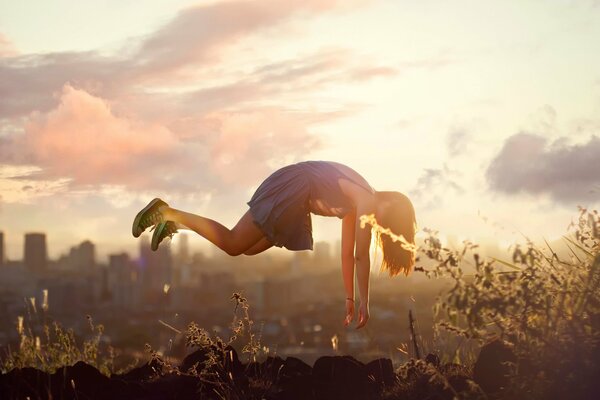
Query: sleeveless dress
(282, 204)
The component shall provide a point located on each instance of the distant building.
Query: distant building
(36, 255)
(278, 295)
(322, 254)
(254, 292)
(87, 254)
(337, 250)
(83, 256)
(68, 294)
(155, 268)
(2, 255)
(183, 255)
(300, 262)
(213, 292)
(121, 277)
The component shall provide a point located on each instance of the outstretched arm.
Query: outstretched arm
(356, 243)
(363, 262)
(348, 228)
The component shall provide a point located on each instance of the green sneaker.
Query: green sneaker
(147, 217)
(161, 231)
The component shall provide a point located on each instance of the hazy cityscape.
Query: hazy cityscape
(297, 303)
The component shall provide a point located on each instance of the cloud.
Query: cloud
(264, 134)
(193, 40)
(85, 141)
(304, 74)
(28, 82)
(140, 118)
(529, 163)
(199, 34)
(434, 184)
(7, 49)
(457, 141)
(185, 52)
(327, 65)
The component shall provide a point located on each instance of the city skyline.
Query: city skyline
(483, 115)
(86, 250)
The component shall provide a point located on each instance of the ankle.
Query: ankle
(166, 212)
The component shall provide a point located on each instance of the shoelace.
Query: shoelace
(151, 219)
(170, 229)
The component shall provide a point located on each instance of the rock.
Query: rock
(229, 368)
(293, 366)
(489, 372)
(146, 372)
(268, 369)
(21, 383)
(295, 380)
(232, 362)
(342, 377)
(252, 369)
(84, 381)
(382, 371)
(228, 358)
(81, 381)
(198, 358)
(176, 386)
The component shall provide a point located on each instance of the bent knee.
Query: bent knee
(234, 252)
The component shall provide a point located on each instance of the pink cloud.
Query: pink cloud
(108, 126)
(190, 48)
(84, 140)
(202, 33)
(368, 72)
(249, 138)
(7, 49)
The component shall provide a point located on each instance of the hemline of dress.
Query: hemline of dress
(271, 236)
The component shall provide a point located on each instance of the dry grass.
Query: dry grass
(544, 306)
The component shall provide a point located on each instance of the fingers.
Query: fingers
(348, 319)
(349, 313)
(362, 320)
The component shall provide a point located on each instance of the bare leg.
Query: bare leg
(232, 241)
(258, 247)
(181, 226)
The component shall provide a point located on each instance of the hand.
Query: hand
(349, 312)
(363, 315)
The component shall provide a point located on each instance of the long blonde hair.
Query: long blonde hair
(399, 217)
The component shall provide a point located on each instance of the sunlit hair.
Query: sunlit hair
(399, 217)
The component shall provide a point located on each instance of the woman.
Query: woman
(279, 215)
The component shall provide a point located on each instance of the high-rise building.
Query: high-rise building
(154, 266)
(87, 253)
(183, 255)
(36, 255)
(322, 256)
(300, 262)
(121, 264)
(83, 256)
(2, 255)
(121, 278)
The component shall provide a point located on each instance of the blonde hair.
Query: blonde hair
(394, 231)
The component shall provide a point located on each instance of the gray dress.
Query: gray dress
(282, 204)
